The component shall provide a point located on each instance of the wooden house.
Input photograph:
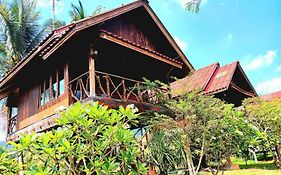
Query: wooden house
(101, 58)
(228, 83)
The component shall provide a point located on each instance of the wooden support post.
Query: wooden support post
(92, 74)
(108, 94)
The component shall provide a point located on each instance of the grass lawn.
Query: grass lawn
(252, 168)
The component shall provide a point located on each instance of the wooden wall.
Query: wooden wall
(29, 110)
(129, 30)
(28, 103)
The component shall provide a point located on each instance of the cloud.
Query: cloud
(182, 44)
(269, 86)
(44, 3)
(262, 60)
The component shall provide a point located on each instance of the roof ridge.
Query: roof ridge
(234, 62)
(216, 63)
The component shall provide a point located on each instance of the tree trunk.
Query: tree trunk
(201, 155)
(278, 158)
(190, 165)
(54, 13)
(255, 156)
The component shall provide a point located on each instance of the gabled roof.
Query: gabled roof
(198, 80)
(212, 79)
(271, 96)
(221, 79)
(59, 36)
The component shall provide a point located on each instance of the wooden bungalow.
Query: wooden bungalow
(101, 58)
(228, 83)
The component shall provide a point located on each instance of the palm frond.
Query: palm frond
(21, 31)
(78, 12)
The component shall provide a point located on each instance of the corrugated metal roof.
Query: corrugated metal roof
(211, 79)
(221, 78)
(198, 80)
(272, 96)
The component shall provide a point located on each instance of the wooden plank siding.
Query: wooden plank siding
(29, 109)
(28, 103)
(59, 104)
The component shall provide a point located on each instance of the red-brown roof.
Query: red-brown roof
(211, 79)
(198, 80)
(221, 78)
(272, 96)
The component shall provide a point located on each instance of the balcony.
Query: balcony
(109, 89)
(113, 87)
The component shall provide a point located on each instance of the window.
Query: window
(52, 87)
(12, 120)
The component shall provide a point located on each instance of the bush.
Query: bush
(90, 139)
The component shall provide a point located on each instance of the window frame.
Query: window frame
(47, 84)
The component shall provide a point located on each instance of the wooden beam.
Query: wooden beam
(92, 78)
(138, 49)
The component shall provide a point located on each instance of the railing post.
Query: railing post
(92, 80)
(107, 86)
(139, 92)
(124, 90)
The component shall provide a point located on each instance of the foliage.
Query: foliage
(207, 127)
(20, 31)
(48, 25)
(8, 164)
(78, 12)
(266, 116)
(90, 139)
(193, 5)
(166, 151)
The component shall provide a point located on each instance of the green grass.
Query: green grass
(253, 168)
(251, 172)
(265, 165)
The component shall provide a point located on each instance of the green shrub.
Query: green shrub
(90, 139)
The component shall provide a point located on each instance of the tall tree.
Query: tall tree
(19, 31)
(54, 13)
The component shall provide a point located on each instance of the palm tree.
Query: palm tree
(54, 13)
(49, 25)
(78, 12)
(19, 31)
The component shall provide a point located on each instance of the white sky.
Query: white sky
(2, 129)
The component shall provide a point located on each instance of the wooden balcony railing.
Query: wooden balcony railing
(112, 87)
